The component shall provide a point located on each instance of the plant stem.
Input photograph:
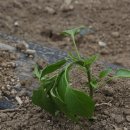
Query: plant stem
(76, 49)
(89, 80)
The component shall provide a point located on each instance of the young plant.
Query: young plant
(56, 94)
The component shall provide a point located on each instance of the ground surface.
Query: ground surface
(42, 21)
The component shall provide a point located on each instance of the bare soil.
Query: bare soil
(43, 21)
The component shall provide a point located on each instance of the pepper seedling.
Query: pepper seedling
(56, 94)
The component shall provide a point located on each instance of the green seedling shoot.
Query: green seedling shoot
(56, 94)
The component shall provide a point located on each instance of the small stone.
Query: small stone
(125, 128)
(23, 93)
(77, 127)
(3, 64)
(8, 87)
(30, 56)
(48, 121)
(50, 10)
(12, 56)
(12, 64)
(66, 8)
(119, 118)
(13, 92)
(116, 128)
(12, 80)
(104, 122)
(115, 34)
(3, 117)
(127, 111)
(22, 46)
(68, 2)
(102, 44)
(7, 47)
(17, 86)
(106, 112)
(108, 91)
(128, 118)
(20, 102)
(16, 23)
(30, 52)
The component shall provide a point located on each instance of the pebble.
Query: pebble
(22, 46)
(30, 56)
(128, 118)
(108, 91)
(23, 93)
(119, 118)
(68, 2)
(77, 127)
(17, 86)
(13, 92)
(3, 117)
(8, 87)
(30, 52)
(102, 44)
(7, 47)
(18, 99)
(127, 111)
(48, 121)
(12, 64)
(16, 23)
(12, 56)
(50, 10)
(115, 34)
(12, 80)
(67, 6)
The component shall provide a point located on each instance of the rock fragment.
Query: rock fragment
(50, 10)
(128, 118)
(7, 47)
(115, 34)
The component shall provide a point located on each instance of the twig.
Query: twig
(101, 104)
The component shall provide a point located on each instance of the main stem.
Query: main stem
(89, 80)
(76, 49)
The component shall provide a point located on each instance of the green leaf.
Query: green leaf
(78, 103)
(123, 73)
(94, 83)
(89, 61)
(104, 73)
(72, 32)
(37, 71)
(58, 101)
(52, 67)
(59, 89)
(42, 98)
(62, 84)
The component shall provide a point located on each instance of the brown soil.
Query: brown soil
(42, 21)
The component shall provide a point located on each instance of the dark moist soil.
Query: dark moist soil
(42, 21)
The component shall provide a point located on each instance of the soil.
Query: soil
(42, 21)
